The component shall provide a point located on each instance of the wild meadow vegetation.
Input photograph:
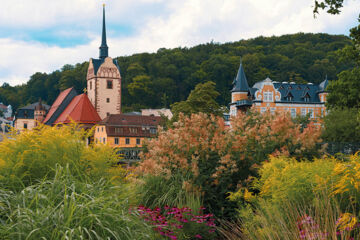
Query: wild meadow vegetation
(266, 177)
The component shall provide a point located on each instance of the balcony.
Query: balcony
(243, 103)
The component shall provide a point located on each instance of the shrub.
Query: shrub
(324, 194)
(32, 156)
(214, 159)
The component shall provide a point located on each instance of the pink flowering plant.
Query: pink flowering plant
(179, 223)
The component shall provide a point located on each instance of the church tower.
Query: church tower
(104, 80)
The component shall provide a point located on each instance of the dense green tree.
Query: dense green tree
(342, 125)
(201, 99)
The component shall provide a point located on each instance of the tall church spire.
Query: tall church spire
(103, 48)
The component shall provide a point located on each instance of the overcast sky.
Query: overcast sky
(44, 35)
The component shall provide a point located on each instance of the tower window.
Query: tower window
(107, 114)
(90, 85)
(107, 100)
(109, 84)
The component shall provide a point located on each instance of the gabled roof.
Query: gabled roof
(61, 102)
(240, 82)
(80, 110)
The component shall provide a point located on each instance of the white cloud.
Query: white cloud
(156, 24)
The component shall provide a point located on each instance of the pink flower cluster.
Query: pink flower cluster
(309, 229)
(170, 220)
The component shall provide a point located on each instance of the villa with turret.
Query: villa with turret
(271, 96)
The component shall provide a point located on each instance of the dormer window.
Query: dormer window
(307, 99)
(289, 98)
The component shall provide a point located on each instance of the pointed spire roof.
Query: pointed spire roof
(240, 82)
(323, 84)
(104, 50)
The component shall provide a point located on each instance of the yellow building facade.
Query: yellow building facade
(274, 97)
(126, 131)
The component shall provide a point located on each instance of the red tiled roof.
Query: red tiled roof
(57, 103)
(80, 110)
(3, 106)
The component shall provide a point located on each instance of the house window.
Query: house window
(90, 85)
(98, 129)
(104, 140)
(102, 129)
(311, 111)
(127, 141)
(262, 110)
(25, 125)
(116, 141)
(268, 96)
(107, 100)
(293, 112)
(138, 141)
(153, 130)
(322, 112)
(272, 110)
(109, 84)
(303, 112)
(133, 130)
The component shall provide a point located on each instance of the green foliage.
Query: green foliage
(156, 191)
(332, 6)
(342, 125)
(285, 191)
(31, 156)
(345, 91)
(201, 100)
(173, 73)
(64, 207)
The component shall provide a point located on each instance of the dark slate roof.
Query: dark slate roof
(97, 63)
(298, 91)
(323, 85)
(103, 50)
(240, 82)
(27, 112)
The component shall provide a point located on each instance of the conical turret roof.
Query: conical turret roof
(240, 82)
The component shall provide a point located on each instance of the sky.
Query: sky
(44, 35)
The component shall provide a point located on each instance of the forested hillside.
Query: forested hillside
(152, 80)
